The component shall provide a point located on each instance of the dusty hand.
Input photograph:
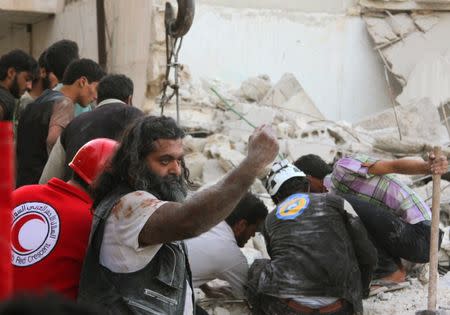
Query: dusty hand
(262, 147)
(438, 166)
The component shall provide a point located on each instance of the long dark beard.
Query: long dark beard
(15, 90)
(167, 188)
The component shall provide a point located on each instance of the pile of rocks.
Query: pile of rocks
(218, 136)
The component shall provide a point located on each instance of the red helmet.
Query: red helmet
(91, 158)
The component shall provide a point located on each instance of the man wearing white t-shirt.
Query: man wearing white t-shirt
(216, 254)
(136, 262)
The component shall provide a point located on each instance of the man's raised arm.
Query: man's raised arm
(175, 221)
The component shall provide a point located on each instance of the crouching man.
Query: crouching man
(321, 258)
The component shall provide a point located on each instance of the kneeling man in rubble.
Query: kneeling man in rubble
(321, 257)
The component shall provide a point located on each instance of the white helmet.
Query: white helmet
(279, 173)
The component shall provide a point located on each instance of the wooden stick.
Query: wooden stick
(434, 239)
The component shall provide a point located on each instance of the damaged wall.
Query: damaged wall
(77, 22)
(330, 54)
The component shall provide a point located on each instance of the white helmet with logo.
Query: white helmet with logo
(279, 173)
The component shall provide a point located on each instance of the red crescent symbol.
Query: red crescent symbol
(16, 229)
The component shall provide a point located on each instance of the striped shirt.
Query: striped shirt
(351, 176)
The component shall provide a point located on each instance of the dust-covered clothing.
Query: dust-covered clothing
(216, 255)
(151, 279)
(351, 176)
(316, 250)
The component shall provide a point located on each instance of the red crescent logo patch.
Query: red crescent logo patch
(34, 233)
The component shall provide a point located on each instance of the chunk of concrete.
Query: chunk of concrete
(402, 24)
(194, 162)
(419, 121)
(430, 79)
(404, 55)
(256, 115)
(301, 104)
(229, 158)
(380, 30)
(406, 146)
(215, 143)
(297, 148)
(289, 97)
(425, 22)
(282, 91)
(254, 89)
(192, 144)
(212, 171)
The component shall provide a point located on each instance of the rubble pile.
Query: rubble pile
(410, 37)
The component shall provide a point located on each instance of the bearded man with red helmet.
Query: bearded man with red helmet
(52, 222)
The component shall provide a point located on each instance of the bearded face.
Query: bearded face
(167, 188)
(15, 88)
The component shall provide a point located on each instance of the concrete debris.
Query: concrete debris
(430, 78)
(406, 54)
(192, 144)
(290, 96)
(419, 120)
(402, 24)
(425, 21)
(407, 300)
(300, 103)
(212, 171)
(405, 5)
(297, 148)
(254, 89)
(219, 138)
(380, 30)
(282, 91)
(195, 161)
(229, 158)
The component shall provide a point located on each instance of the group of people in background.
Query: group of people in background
(102, 216)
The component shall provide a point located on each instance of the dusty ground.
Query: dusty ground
(403, 302)
(408, 300)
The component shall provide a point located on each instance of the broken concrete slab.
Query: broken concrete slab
(404, 147)
(254, 89)
(289, 97)
(430, 79)
(404, 55)
(419, 121)
(192, 144)
(212, 171)
(380, 30)
(425, 22)
(297, 148)
(282, 91)
(402, 24)
(214, 143)
(405, 5)
(300, 104)
(194, 162)
(229, 158)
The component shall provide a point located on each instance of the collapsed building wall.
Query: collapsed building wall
(330, 53)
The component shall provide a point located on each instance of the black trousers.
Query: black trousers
(393, 237)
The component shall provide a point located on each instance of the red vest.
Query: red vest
(49, 236)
